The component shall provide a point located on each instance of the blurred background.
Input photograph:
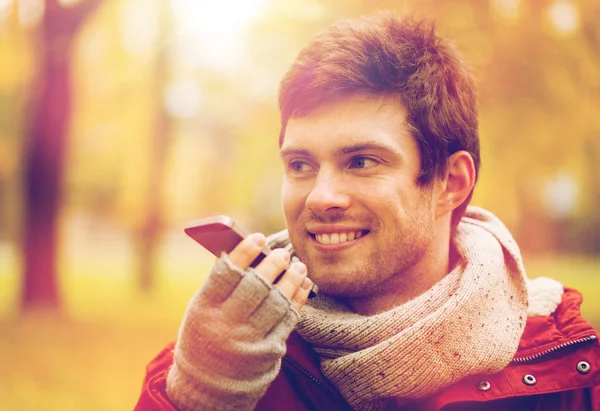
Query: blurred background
(121, 120)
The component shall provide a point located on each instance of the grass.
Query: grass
(55, 364)
(93, 357)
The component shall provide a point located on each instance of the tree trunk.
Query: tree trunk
(44, 153)
(148, 235)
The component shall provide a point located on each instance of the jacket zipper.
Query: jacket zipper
(303, 370)
(555, 348)
(313, 378)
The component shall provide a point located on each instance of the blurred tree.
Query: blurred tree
(15, 73)
(44, 151)
(590, 223)
(540, 86)
(148, 235)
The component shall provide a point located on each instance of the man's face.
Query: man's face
(354, 212)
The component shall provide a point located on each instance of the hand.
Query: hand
(293, 284)
(233, 334)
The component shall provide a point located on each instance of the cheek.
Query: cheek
(387, 194)
(292, 201)
(395, 203)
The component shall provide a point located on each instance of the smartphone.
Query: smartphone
(220, 234)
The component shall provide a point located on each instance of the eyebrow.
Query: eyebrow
(294, 151)
(344, 150)
(367, 146)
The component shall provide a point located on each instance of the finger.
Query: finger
(247, 250)
(270, 312)
(292, 279)
(247, 296)
(283, 329)
(301, 295)
(221, 281)
(273, 264)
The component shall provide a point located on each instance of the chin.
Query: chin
(339, 283)
(342, 290)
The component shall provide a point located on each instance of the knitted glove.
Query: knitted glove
(231, 341)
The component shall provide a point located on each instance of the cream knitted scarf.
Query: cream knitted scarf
(468, 323)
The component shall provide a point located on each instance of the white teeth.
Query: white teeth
(336, 238)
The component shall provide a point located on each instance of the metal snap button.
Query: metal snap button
(529, 379)
(583, 367)
(484, 386)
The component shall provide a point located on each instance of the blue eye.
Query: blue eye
(362, 162)
(299, 166)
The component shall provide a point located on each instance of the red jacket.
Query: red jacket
(557, 367)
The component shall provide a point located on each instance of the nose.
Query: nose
(328, 194)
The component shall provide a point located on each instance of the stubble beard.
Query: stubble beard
(391, 261)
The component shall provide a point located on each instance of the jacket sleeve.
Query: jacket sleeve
(154, 396)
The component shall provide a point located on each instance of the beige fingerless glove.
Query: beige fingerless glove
(231, 341)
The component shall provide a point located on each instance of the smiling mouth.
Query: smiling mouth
(337, 238)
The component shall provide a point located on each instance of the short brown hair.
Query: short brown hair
(386, 55)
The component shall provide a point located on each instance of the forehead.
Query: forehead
(357, 119)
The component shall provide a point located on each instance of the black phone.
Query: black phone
(220, 234)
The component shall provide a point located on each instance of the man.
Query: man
(424, 303)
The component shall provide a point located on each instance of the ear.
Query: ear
(458, 184)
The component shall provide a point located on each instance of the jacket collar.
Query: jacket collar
(549, 360)
(563, 327)
(550, 350)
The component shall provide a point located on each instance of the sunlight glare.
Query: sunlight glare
(139, 26)
(561, 194)
(182, 99)
(507, 9)
(69, 3)
(217, 28)
(564, 17)
(30, 12)
(5, 4)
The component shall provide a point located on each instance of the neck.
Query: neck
(437, 261)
